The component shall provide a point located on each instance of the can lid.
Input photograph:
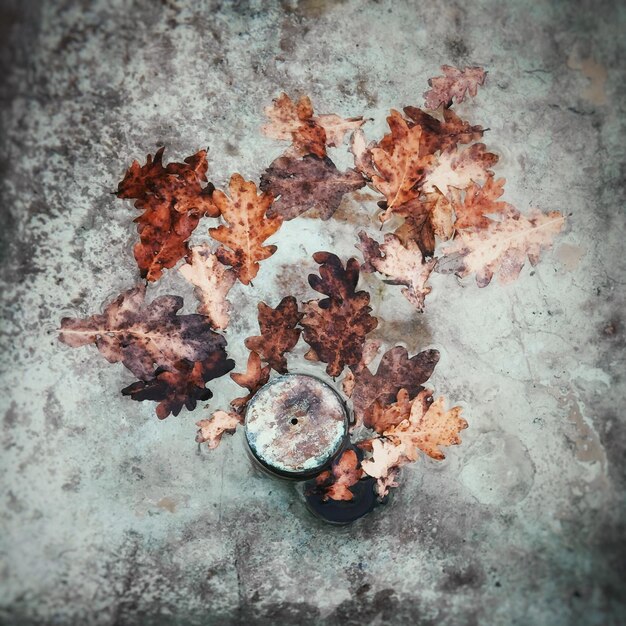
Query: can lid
(295, 425)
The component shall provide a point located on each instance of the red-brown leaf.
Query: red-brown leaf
(402, 161)
(478, 202)
(182, 386)
(173, 200)
(279, 332)
(344, 472)
(252, 379)
(396, 371)
(335, 327)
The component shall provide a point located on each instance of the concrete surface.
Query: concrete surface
(110, 517)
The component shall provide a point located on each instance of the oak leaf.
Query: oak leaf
(396, 371)
(384, 415)
(477, 203)
(307, 183)
(401, 164)
(443, 135)
(247, 228)
(337, 127)
(279, 332)
(403, 263)
(210, 430)
(504, 245)
(335, 327)
(453, 85)
(385, 483)
(429, 215)
(294, 121)
(427, 428)
(345, 472)
(173, 200)
(144, 336)
(212, 282)
(460, 169)
(362, 153)
(182, 386)
(309, 134)
(418, 228)
(252, 379)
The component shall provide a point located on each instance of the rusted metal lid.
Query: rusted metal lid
(295, 425)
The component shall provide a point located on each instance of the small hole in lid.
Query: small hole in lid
(294, 420)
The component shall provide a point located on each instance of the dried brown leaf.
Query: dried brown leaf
(210, 430)
(337, 127)
(144, 337)
(307, 183)
(443, 135)
(252, 379)
(344, 473)
(212, 282)
(396, 371)
(310, 134)
(402, 162)
(504, 245)
(173, 200)
(279, 332)
(402, 263)
(335, 327)
(427, 428)
(453, 85)
(384, 416)
(460, 169)
(478, 202)
(248, 227)
(182, 386)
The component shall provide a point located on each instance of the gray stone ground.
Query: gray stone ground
(110, 517)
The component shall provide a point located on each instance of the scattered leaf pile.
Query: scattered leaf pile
(443, 210)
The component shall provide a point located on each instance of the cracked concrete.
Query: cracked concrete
(111, 517)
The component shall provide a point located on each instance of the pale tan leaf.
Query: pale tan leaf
(441, 215)
(385, 456)
(460, 168)
(210, 430)
(336, 127)
(212, 282)
(453, 85)
(428, 427)
(402, 263)
(362, 152)
(504, 246)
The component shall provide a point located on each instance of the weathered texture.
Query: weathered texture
(109, 516)
(295, 424)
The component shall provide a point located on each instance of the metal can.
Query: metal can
(295, 426)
